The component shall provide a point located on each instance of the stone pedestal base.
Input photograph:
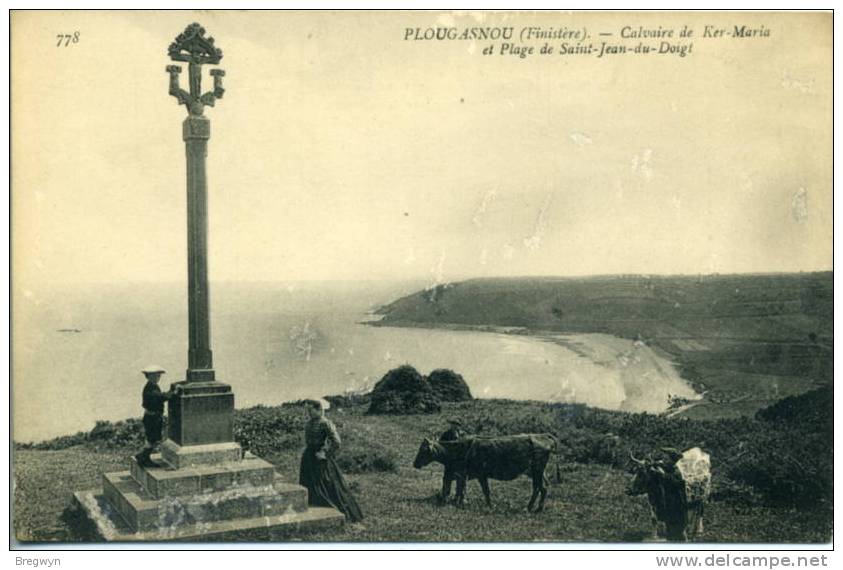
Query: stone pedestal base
(194, 455)
(215, 493)
(201, 414)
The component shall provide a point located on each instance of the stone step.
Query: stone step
(109, 526)
(169, 482)
(144, 512)
(197, 455)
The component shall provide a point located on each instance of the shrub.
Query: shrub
(127, 434)
(267, 431)
(789, 467)
(62, 442)
(348, 400)
(584, 446)
(361, 451)
(402, 379)
(511, 424)
(449, 386)
(102, 430)
(815, 407)
(403, 391)
(726, 489)
(358, 456)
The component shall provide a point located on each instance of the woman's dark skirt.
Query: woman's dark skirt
(326, 486)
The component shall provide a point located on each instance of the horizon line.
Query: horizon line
(435, 282)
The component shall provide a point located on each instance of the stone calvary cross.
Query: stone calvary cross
(191, 46)
(203, 412)
(207, 486)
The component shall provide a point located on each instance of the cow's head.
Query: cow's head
(644, 474)
(426, 454)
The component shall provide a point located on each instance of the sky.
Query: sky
(340, 151)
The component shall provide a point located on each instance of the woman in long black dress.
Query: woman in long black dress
(319, 472)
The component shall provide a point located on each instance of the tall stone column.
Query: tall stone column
(200, 367)
(203, 413)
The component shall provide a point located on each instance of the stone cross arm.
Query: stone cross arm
(192, 46)
(176, 91)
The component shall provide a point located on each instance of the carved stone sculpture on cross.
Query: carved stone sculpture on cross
(192, 46)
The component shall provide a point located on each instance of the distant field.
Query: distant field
(744, 340)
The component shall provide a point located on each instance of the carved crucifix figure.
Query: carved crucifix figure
(192, 46)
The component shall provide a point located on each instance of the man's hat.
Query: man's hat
(455, 422)
(153, 369)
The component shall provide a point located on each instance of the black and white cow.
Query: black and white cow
(672, 503)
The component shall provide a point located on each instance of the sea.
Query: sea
(77, 352)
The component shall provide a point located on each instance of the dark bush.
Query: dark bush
(105, 435)
(449, 386)
(348, 400)
(364, 455)
(785, 459)
(726, 489)
(102, 430)
(815, 407)
(403, 391)
(62, 442)
(511, 424)
(122, 435)
(402, 379)
(268, 430)
(584, 446)
(789, 467)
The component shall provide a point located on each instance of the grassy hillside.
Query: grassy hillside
(772, 475)
(748, 340)
(761, 346)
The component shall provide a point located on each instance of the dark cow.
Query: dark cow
(668, 495)
(503, 458)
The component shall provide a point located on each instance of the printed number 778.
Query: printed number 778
(67, 39)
